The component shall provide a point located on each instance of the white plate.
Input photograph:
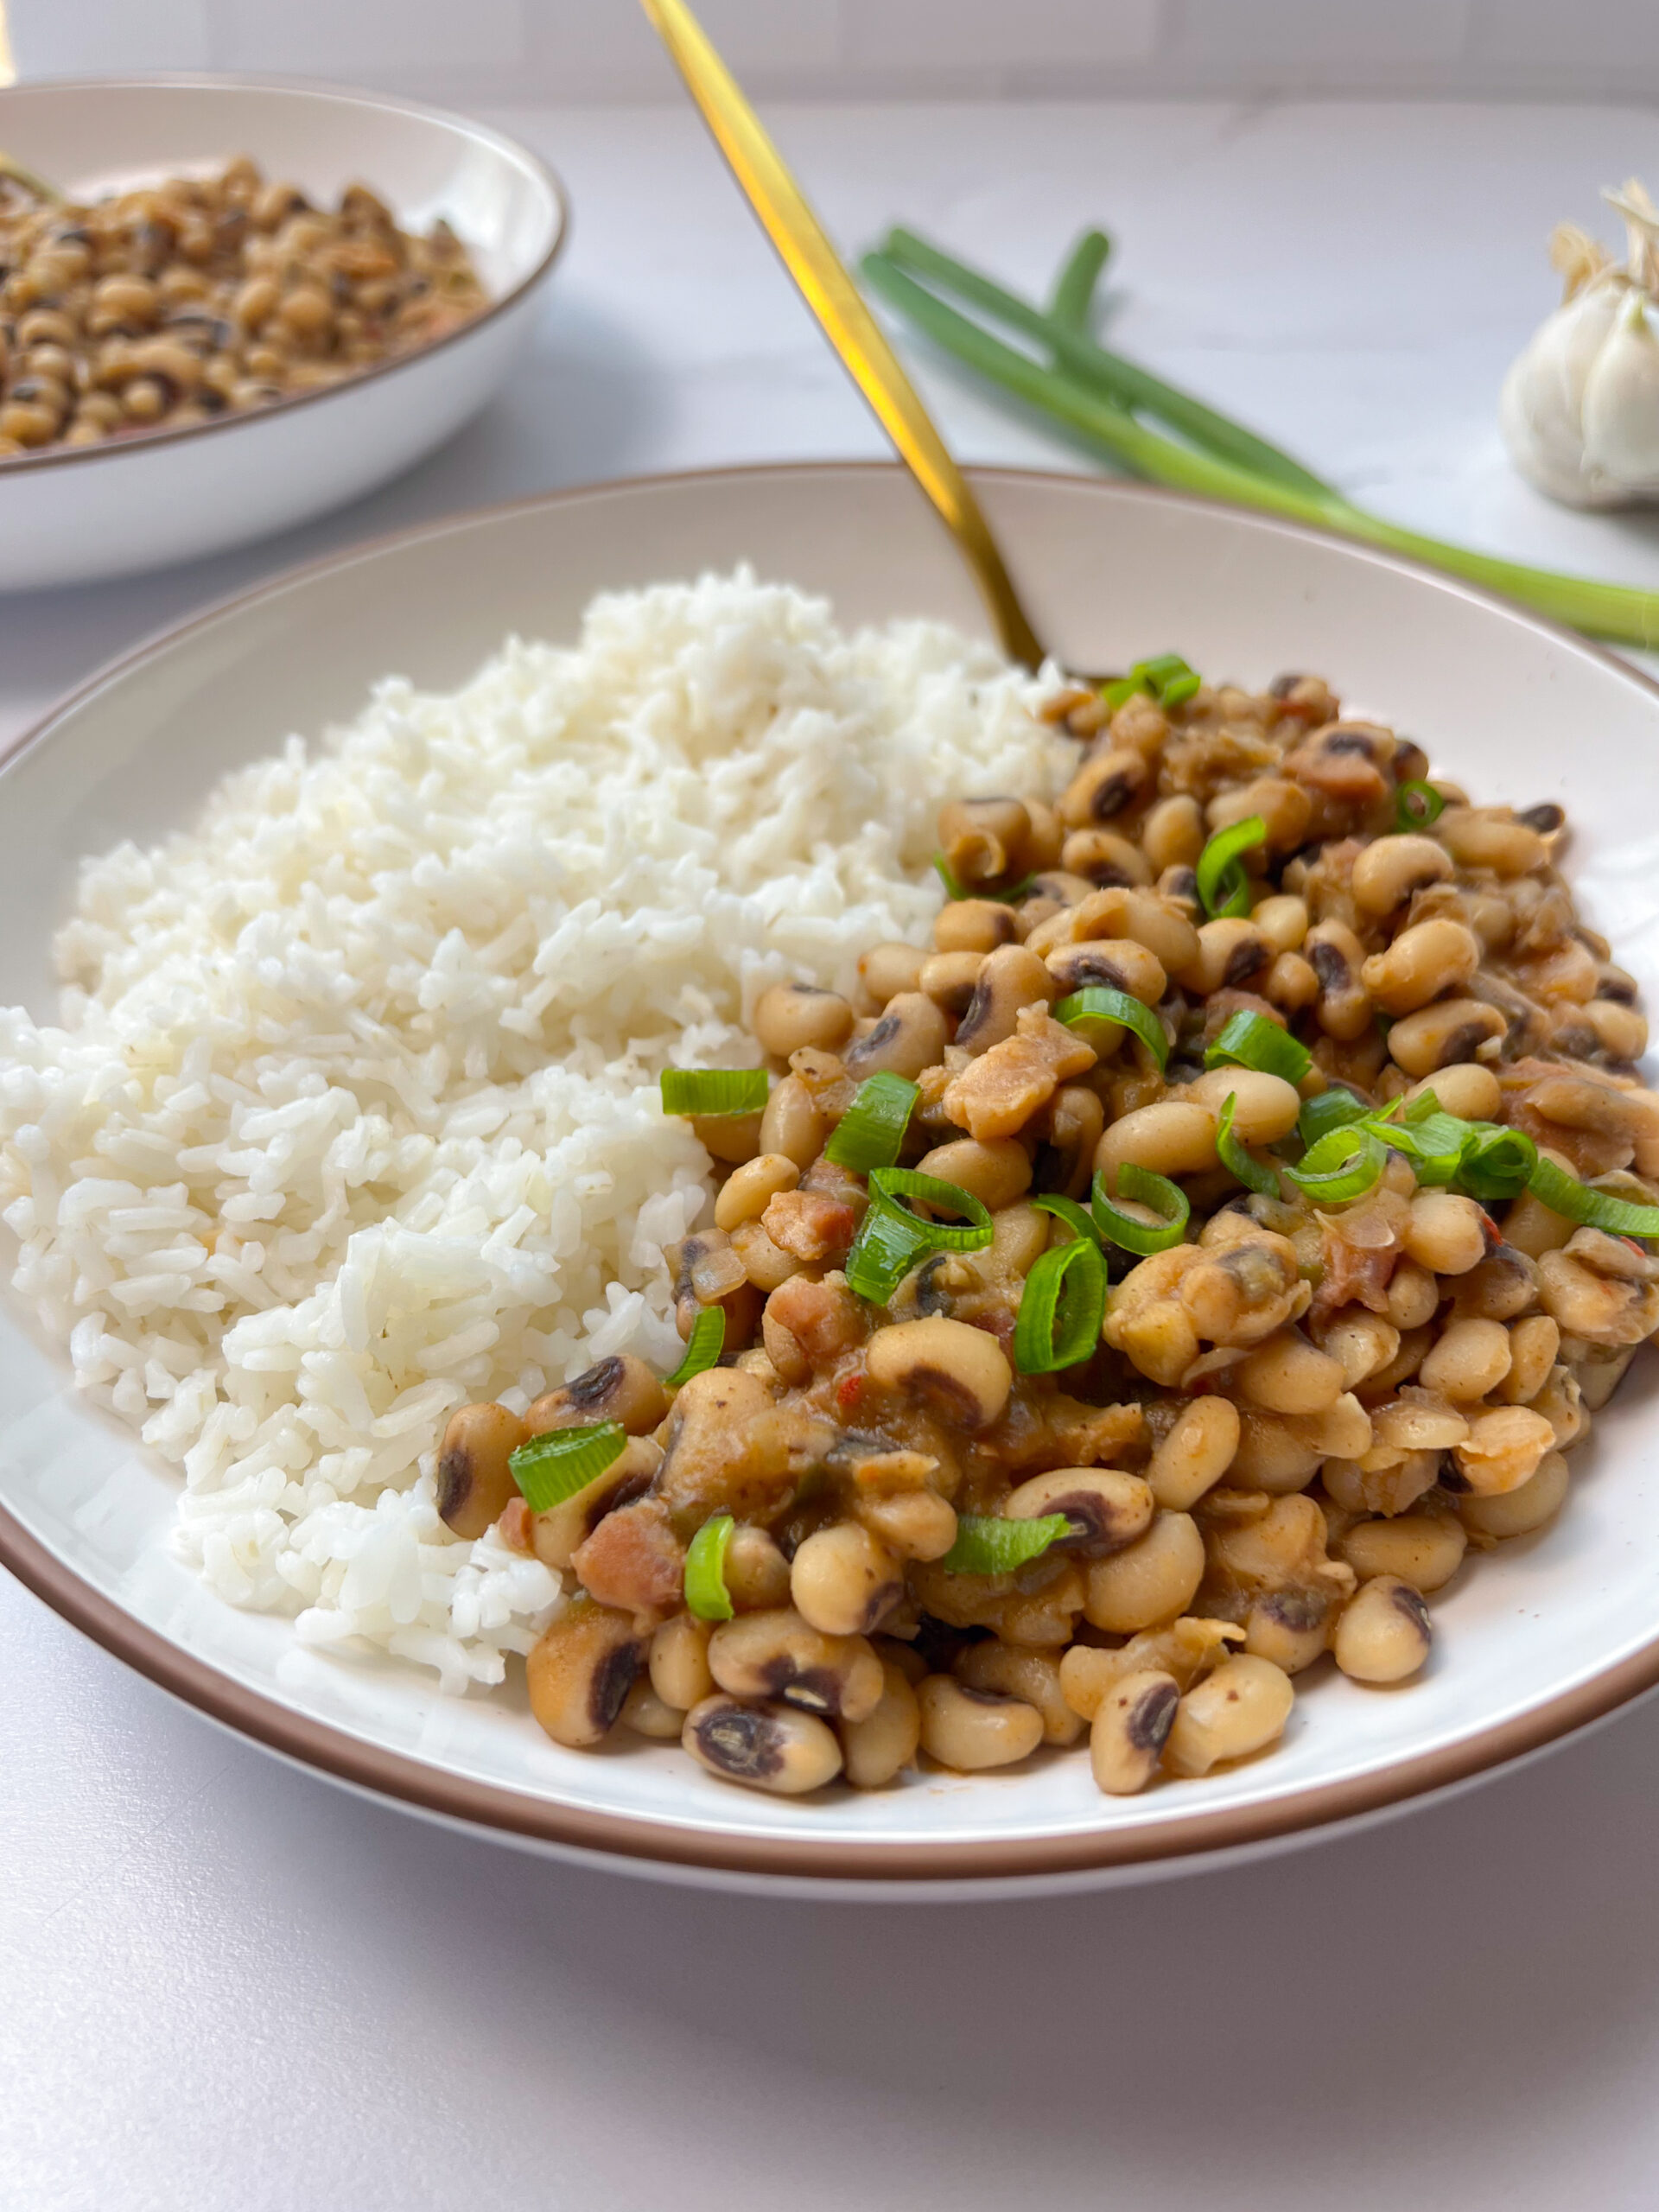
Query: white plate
(1548, 1633)
(68, 514)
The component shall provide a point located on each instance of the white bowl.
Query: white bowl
(1547, 1633)
(68, 515)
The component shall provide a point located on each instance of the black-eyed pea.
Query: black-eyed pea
(1102, 787)
(749, 1188)
(1490, 838)
(1343, 1429)
(678, 1661)
(1107, 1509)
(1425, 1549)
(1418, 1422)
(1534, 1228)
(1068, 1134)
(1012, 977)
(1468, 1091)
(985, 839)
(844, 1582)
(1413, 1296)
(973, 1730)
(1265, 1107)
(767, 1265)
(1282, 920)
(1130, 1728)
(1152, 1581)
(996, 1172)
(1285, 808)
(580, 1671)
(1336, 956)
(1518, 1512)
(647, 1714)
(1469, 1360)
(1287, 1375)
(1174, 1137)
(1621, 1031)
(730, 1137)
(1019, 1236)
(1272, 1455)
(1290, 1628)
(1503, 1449)
(793, 1124)
(1422, 963)
(909, 1037)
(1534, 1344)
(1103, 858)
(1143, 916)
(1444, 1233)
(1381, 1485)
(1362, 1343)
(789, 1015)
(1119, 964)
(1033, 1676)
(1562, 1403)
(948, 978)
(1241, 1708)
(766, 1746)
(960, 1369)
(1173, 834)
(475, 1480)
(1291, 983)
(911, 1523)
(1195, 1453)
(890, 968)
(879, 1747)
(1385, 1632)
(779, 1653)
(1234, 954)
(756, 1572)
(1386, 871)
(973, 926)
(1046, 1619)
(1439, 1035)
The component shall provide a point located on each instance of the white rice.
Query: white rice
(352, 1113)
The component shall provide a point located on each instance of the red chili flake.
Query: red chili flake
(849, 1389)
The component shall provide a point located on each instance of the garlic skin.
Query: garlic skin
(1579, 409)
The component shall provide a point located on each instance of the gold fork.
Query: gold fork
(829, 291)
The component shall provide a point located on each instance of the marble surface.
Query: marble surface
(228, 1985)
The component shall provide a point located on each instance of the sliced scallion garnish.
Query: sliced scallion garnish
(556, 1465)
(1076, 1218)
(1497, 1163)
(886, 1248)
(706, 1594)
(1166, 678)
(1099, 1002)
(1222, 886)
(889, 1185)
(1061, 1309)
(704, 1346)
(1253, 1173)
(1250, 1040)
(1416, 804)
(1564, 1194)
(1331, 1109)
(872, 1130)
(1145, 1188)
(1343, 1165)
(1177, 693)
(713, 1090)
(987, 1545)
(956, 888)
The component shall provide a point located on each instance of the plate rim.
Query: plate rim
(493, 1807)
(160, 441)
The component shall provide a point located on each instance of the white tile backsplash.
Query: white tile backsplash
(566, 50)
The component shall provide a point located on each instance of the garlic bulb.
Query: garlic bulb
(1580, 410)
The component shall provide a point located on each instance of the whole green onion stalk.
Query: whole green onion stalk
(1100, 398)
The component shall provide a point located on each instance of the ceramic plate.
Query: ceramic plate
(1554, 1631)
(68, 514)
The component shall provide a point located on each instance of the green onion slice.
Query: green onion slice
(1122, 690)
(713, 1090)
(1254, 1174)
(1146, 1189)
(956, 888)
(1331, 1109)
(704, 1346)
(889, 1185)
(1222, 885)
(1416, 804)
(1166, 678)
(1344, 1164)
(1250, 1040)
(1076, 1218)
(1496, 1162)
(872, 1130)
(1564, 1194)
(1098, 1002)
(561, 1461)
(1178, 693)
(1061, 1309)
(886, 1248)
(706, 1594)
(986, 1545)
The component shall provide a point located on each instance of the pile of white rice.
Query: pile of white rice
(352, 1114)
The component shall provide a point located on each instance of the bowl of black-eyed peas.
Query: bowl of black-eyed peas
(226, 307)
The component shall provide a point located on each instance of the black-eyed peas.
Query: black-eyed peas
(1384, 1633)
(1239, 1709)
(972, 1730)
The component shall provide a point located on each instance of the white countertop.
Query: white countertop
(226, 1985)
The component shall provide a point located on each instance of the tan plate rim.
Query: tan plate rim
(334, 1752)
(144, 442)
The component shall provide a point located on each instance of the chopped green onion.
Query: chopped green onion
(1076, 1218)
(1331, 1109)
(704, 1346)
(956, 888)
(1222, 884)
(1253, 1173)
(1564, 1194)
(872, 1130)
(889, 1185)
(1144, 1188)
(886, 1248)
(1496, 1163)
(1435, 1143)
(1416, 804)
(1099, 1002)
(706, 1594)
(986, 1545)
(1183, 689)
(1166, 678)
(1061, 1309)
(1250, 1040)
(561, 1461)
(1122, 688)
(1343, 1165)
(713, 1090)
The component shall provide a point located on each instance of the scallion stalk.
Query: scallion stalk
(988, 1545)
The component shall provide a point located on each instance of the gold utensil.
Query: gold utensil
(835, 299)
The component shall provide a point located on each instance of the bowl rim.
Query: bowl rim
(157, 441)
(493, 1807)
